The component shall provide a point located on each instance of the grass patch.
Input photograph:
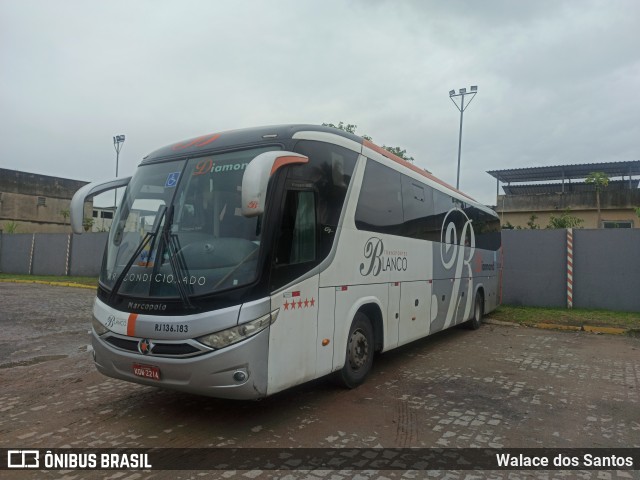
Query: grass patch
(91, 281)
(561, 316)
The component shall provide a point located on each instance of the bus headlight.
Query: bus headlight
(241, 332)
(99, 328)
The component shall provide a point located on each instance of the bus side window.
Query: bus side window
(297, 239)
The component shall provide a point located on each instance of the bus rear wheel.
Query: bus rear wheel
(359, 354)
(478, 310)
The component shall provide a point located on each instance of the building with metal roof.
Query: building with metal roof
(548, 191)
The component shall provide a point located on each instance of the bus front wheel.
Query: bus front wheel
(359, 355)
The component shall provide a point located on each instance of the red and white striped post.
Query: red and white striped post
(569, 267)
(68, 260)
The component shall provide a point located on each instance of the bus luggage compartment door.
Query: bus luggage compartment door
(415, 311)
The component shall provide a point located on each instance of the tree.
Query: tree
(565, 220)
(400, 152)
(348, 127)
(600, 180)
(65, 214)
(87, 223)
(351, 128)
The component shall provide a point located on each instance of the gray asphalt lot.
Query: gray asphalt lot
(498, 387)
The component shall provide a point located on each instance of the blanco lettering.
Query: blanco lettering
(381, 260)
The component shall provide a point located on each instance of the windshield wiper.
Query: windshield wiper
(171, 243)
(145, 241)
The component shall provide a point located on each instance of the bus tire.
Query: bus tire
(359, 354)
(478, 309)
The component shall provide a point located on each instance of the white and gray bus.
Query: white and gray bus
(242, 263)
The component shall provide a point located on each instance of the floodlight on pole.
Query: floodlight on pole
(461, 108)
(118, 140)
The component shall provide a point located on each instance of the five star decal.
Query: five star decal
(298, 303)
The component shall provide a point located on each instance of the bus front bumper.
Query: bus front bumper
(235, 372)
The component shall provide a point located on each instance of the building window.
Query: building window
(617, 224)
(42, 202)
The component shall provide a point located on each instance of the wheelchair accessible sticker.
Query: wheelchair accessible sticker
(172, 179)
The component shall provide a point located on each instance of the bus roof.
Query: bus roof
(232, 138)
(216, 142)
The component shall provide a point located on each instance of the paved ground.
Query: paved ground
(496, 387)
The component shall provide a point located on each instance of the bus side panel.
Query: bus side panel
(293, 338)
(393, 317)
(415, 311)
(326, 329)
(348, 302)
(485, 268)
(453, 284)
(442, 289)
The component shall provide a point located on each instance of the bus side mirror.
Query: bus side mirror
(256, 178)
(76, 210)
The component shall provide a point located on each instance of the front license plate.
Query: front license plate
(146, 371)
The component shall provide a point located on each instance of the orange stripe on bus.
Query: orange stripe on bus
(282, 161)
(131, 324)
(401, 161)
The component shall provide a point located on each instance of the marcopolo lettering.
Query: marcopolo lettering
(147, 306)
(381, 260)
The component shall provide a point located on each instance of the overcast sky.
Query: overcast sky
(558, 81)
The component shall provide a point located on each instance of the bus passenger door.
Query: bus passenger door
(292, 340)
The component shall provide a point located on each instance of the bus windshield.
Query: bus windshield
(179, 230)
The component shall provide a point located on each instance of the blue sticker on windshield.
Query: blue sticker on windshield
(172, 179)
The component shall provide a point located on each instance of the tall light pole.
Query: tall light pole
(461, 107)
(118, 140)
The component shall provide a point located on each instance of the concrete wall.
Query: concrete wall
(609, 199)
(607, 269)
(616, 205)
(52, 253)
(535, 266)
(15, 256)
(34, 202)
(588, 217)
(86, 253)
